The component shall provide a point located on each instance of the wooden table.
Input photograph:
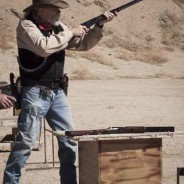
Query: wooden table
(121, 159)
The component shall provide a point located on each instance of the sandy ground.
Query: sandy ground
(104, 103)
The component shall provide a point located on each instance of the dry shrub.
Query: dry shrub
(108, 31)
(92, 56)
(147, 55)
(82, 73)
(151, 56)
(72, 54)
(149, 38)
(180, 3)
(84, 2)
(116, 42)
(103, 4)
(6, 41)
(113, 41)
(172, 29)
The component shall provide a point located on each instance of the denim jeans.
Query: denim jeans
(34, 106)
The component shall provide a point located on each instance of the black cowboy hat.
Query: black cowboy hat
(39, 3)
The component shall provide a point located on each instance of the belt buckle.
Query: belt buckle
(54, 84)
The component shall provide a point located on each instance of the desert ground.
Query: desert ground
(134, 77)
(107, 103)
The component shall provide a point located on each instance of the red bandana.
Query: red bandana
(44, 25)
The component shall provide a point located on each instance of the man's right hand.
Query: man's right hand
(6, 101)
(79, 31)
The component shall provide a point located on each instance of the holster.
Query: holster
(65, 83)
(16, 90)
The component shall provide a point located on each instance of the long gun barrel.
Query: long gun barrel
(94, 20)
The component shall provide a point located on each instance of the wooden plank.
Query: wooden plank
(6, 134)
(109, 137)
(8, 121)
(129, 144)
(130, 162)
(88, 163)
(8, 118)
(6, 146)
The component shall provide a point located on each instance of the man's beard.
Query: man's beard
(55, 21)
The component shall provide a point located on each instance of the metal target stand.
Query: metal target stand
(37, 147)
(45, 151)
(45, 144)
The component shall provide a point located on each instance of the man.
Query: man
(42, 40)
(6, 101)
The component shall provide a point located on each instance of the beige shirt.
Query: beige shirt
(30, 37)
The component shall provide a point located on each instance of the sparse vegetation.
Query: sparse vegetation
(172, 29)
(92, 56)
(72, 54)
(101, 3)
(6, 41)
(104, 60)
(180, 3)
(149, 38)
(147, 55)
(82, 73)
(151, 56)
(128, 50)
(108, 31)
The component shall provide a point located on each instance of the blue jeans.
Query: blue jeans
(34, 106)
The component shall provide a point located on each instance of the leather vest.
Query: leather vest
(53, 68)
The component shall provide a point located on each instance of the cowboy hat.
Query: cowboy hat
(39, 3)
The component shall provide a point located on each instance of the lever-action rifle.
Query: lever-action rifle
(119, 130)
(93, 21)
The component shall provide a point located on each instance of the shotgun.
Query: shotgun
(94, 20)
(120, 130)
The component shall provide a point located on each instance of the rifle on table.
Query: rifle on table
(94, 20)
(120, 130)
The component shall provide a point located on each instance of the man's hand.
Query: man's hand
(6, 101)
(79, 31)
(108, 17)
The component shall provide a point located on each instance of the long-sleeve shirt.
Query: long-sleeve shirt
(30, 37)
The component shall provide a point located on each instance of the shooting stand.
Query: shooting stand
(121, 158)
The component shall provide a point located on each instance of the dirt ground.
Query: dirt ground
(126, 102)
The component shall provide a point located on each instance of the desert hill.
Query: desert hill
(144, 41)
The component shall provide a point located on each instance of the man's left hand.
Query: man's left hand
(6, 101)
(109, 16)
